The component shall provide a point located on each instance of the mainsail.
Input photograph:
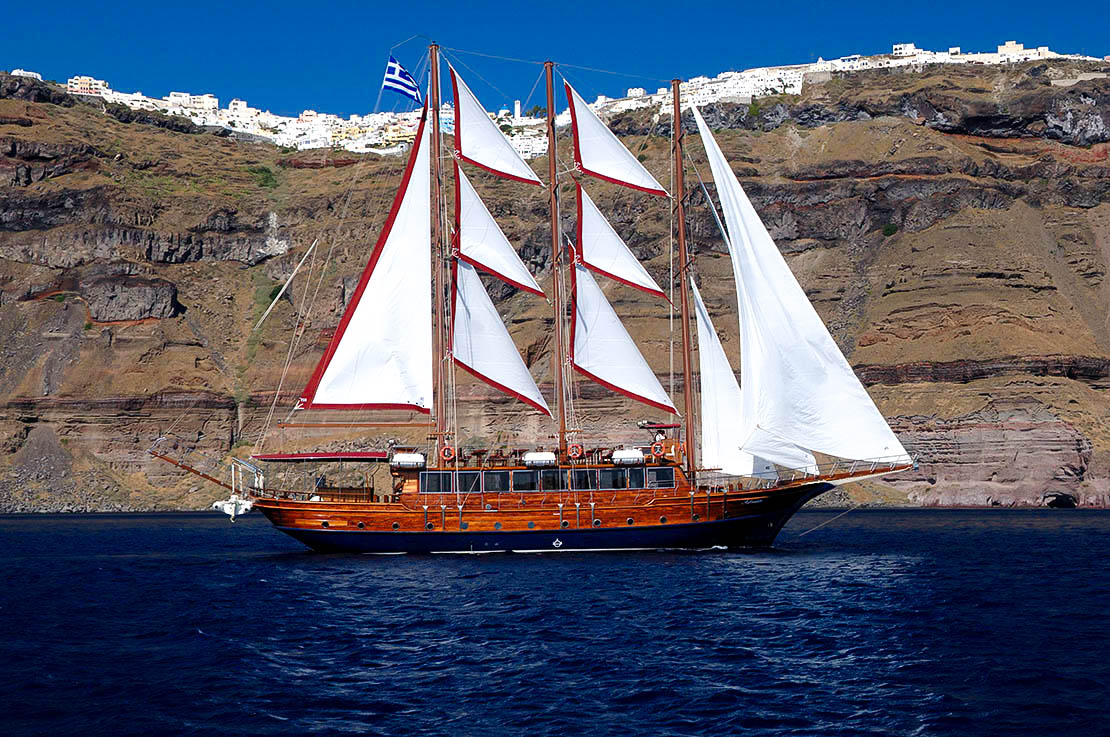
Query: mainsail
(602, 350)
(482, 242)
(600, 154)
(482, 345)
(381, 354)
(797, 388)
(603, 251)
(479, 140)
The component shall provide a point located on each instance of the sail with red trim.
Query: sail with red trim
(602, 350)
(600, 154)
(482, 242)
(604, 252)
(482, 345)
(479, 141)
(381, 353)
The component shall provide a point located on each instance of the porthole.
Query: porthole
(662, 520)
(489, 507)
(597, 523)
(630, 520)
(696, 518)
(531, 525)
(324, 523)
(396, 526)
(497, 525)
(565, 523)
(429, 526)
(361, 525)
(464, 525)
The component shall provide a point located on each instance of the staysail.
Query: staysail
(600, 154)
(482, 242)
(381, 354)
(604, 252)
(797, 388)
(482, 346)
(602, 350)
(479, 140)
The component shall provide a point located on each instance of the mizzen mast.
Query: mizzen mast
(684, 282)
(556, 259)
(438, 276)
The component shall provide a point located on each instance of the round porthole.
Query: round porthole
(489, 507)
(629, 520)
(429, 526)
(696, 518)
(362, 525)
(662, 520)
(531, 525)
(464, 525)
(565, 523)
(324, 523)
(597, 523)
(396, 526)
(497, 525)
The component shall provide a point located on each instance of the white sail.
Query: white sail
(603, 251)
(602, 350)
(721, 428)
(381, 353)
(797, 387)
(483, 244)
(479, 140)
(600, 154)
(482, 345)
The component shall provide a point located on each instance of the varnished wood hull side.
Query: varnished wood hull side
(741, 525)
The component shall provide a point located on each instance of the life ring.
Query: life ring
(447, 453)
(575, 450)
(657, 449)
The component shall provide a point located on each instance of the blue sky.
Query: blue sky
(330, 55)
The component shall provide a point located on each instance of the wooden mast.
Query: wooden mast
(556, 258)
(684, 282)
(438, 343)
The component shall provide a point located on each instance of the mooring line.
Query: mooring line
(834, 519)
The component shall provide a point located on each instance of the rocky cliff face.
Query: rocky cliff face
(951, 226)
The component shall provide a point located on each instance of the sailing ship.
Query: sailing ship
(421, 310)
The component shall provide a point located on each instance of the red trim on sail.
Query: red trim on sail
(479, 265)
(458, 140)
(318, 374)
(501, 387)
(578, 154)
(625, 392)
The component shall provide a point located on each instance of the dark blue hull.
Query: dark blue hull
(757, 527)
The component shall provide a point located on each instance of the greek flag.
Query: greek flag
(400, 81)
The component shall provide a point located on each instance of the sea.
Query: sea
(875, 622)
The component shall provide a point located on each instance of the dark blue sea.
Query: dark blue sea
(922, 622)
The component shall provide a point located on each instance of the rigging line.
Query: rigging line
(532, 91)
(712, 206)
(491, 85)
(610, 71)
(490, 56)
(834, 519)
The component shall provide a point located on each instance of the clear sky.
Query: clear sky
(329, 55)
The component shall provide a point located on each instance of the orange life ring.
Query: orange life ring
(575, 450)
(447, 453)
(657, 449)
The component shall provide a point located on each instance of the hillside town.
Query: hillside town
(391, 132)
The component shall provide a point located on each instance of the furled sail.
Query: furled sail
(481, 344)
(479, 140)
(797, 388)
(482, 242)
(600, 154)
(381, 354)
(721, 404)
(603, 251)
(602, 350)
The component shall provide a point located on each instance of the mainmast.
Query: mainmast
(556, 259)
(684, 282)
(438, 277)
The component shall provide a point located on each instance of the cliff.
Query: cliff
(952, 226)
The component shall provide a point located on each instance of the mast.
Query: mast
(556, 237)
(438, 342)
(684, 281)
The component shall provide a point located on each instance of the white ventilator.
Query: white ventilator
(600, 154)
(604, 252)
(381, 353)
(602, 350)
(479, 140)
(482, 345)
(797, 389)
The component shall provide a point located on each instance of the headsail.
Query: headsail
(479, 140)
(381, 354)
(721, 404)
(600, 154)
(798, 389)
(482, 242)
(482, 345)
(603, 251)
(602, 350)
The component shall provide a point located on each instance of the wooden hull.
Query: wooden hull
(740, 520)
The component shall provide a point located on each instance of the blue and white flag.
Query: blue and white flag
(399, 80)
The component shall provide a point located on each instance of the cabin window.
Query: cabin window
(552, 479)
(613, 478)
(435, 482)
(469, 481)
(660, 478)
(496, 481)
(636, 478)
(583, 479)
(526, 481)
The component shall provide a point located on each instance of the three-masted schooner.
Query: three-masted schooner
(420, 309)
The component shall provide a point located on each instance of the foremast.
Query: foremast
(558, 352)
(439, 342)
(684, 284)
